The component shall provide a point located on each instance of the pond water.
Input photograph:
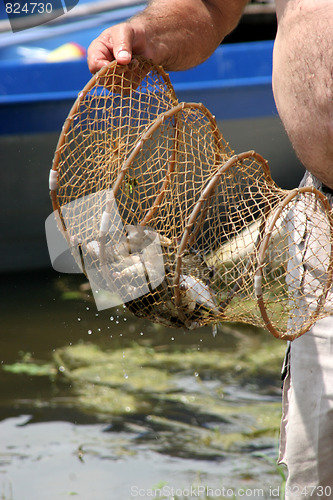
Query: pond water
(104, 406)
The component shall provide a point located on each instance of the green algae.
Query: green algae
(181, 397)
(258, 360)
(32, 369)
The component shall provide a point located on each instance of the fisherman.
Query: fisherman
(180, 34)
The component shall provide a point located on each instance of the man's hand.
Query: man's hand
(118, 43)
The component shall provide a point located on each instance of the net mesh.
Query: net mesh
(159, 212)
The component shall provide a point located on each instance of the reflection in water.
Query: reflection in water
(102, 394)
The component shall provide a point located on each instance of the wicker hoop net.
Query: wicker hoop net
(159, 211)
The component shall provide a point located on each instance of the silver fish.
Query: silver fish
(196, 293)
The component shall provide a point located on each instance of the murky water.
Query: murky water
(105, 406)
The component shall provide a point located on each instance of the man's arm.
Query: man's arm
(178, 34)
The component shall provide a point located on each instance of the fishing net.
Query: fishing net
(161, 215)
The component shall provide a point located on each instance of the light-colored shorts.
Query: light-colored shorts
(306, 440)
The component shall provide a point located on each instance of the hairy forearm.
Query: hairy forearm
(183, 33)
(178, 34)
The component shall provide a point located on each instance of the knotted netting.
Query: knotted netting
(161, 215)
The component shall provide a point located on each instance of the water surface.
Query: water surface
(106, 406)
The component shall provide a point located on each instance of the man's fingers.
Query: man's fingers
(98, 55)
(123, 56)
(114, 43)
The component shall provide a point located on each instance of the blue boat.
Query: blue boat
(36, 96)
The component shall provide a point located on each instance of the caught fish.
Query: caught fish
(134, 240)
(132, 268)
(196, 294)
(140, 265)
(113, 252)
(139, 237)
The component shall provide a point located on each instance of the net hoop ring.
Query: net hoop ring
(81, 96)
(199, 211)
(261, 263)
(103, 72)
(145, 136)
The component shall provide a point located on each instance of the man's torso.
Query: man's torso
(303, 80)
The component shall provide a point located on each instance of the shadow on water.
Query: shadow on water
(102, 405)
